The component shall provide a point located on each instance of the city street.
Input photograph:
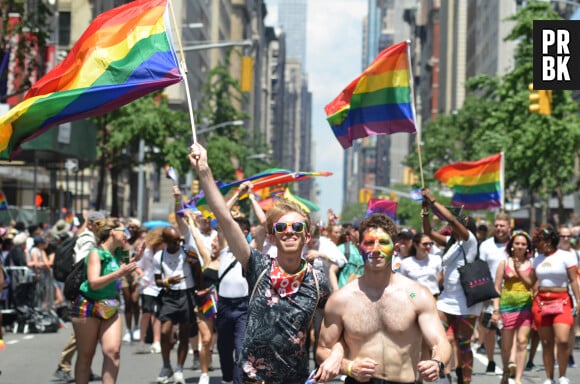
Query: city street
(32, 359)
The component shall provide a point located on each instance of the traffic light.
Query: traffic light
(194, 187)
(540, 101)
(364, 195)
(247, 74)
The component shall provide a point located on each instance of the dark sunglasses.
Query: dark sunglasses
(565, 236)
(427, 244)
(297, 226)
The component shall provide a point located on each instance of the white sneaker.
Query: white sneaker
(136, 334)
(127, 337)
(165, 375)
(203, 379)
(548, 381)
(227, 382)
(156, 347)
(563, 380)
(178, 378)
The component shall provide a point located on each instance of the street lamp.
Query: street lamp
(220, 125)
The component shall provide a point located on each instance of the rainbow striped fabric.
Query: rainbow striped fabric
(378, 102)
(3, 202)
(209, 307)
(384, 206)
(477, 184)
(124, 54)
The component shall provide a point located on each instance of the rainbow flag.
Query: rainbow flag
(3, 202)
(209, 307)
(384, 206)
(378, 102)
(124, 54)
(171, 173)
(477, 184)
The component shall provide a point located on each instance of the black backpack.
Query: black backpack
(64, 259)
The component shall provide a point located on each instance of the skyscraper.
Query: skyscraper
(292, 18)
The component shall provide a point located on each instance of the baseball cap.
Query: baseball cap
(405, 234)
(94, 216)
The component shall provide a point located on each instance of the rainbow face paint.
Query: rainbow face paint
(376, 242)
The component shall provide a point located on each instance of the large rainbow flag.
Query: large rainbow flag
(378, 102)
(124, 54)
(476, 184)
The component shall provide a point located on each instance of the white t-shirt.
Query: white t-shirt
(148, 280)
(552, 271)
(423, 271)
(331, 252)
(174, 264)
(492, 253)
(452, 299)
(233, 285)
(207, 240)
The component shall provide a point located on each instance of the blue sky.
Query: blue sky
(334, 38)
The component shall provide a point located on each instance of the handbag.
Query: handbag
(552, 307)
(476, 281)
(72, 284)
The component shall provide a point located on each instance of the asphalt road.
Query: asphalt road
(32, 359)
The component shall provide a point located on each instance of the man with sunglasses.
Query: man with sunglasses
(373, 327)
(492, 251)
(285, 290)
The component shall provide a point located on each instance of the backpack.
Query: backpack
(64, 259)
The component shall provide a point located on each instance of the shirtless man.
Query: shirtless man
(373, 326)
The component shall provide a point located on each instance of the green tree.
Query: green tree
(495, 117)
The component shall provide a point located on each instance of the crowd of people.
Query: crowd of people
(270, 296)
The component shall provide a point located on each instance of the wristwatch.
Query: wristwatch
(440, 364)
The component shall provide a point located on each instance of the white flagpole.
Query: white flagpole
(183, 70)
(417, 125)
(502, 180)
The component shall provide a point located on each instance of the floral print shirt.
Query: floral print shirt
(274, 346)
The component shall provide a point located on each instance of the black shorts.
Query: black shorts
(176, 306)
(350, 380)
(149, 304)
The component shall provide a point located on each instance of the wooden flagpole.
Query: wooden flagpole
(183, 70)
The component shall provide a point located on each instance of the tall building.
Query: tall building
(292, 16)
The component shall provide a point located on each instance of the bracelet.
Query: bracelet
(424, 213)
(349, 369)
(167, 282)
(433, 201)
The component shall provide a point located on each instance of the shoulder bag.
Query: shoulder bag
(476, 280)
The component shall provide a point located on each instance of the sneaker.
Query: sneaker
(563, 380)
(63, 376)
(94, 377)
(571, 362)
(512, 369)
(549, 381)
(127, 337)
(490, 370)
(530, 366)
(136, 334)
(155, 347)
(178, 377)
(203, 379)
(165, 375)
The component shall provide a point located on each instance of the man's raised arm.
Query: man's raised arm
(234, 235)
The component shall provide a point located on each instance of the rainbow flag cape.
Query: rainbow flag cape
(384, 206)
(477, 184)
(124, 54)
(378, 102)
(3, 202)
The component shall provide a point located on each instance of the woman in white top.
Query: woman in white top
(552, 271)
(454, 313)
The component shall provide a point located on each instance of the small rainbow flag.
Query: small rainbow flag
(3, 202)
(378, 102)
(209, 307)
(384, 206)
(171, 173)
(70, 219)
(124, 54)
(476, 184)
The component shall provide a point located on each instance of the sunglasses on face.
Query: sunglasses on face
(565, 236)
(125, 230)
(427, 244)
(297, 227)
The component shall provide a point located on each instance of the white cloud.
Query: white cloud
(334, 41)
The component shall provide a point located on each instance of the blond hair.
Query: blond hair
(282, 207)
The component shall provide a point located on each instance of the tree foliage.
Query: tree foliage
(539, 150)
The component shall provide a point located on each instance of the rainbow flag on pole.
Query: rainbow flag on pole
(477, 184)
(378, 102)
(3, 202)
(384, 206)
(209, 307)
(124, 54)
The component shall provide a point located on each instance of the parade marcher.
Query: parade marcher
(86, 241)
(379, 320)
(286, 290)
(552, 271)
(95, 311)
(514, 304)
(456, 316)
(130, 285)
(492, 251)
(177, 270)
